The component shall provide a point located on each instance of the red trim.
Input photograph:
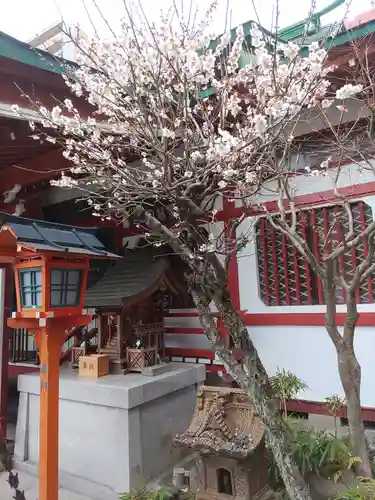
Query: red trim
(192, 314)
(8, 286)
(304, 220)
(215, 368)
(339, 239)
(20, 369)
(303, 319)
(189, 353)
(186, 331)
(230, 237)
(297, 274)
(286, 270)
(307, 200)
(263, 242)
(275, 268)
(365, 247)
(317, 253)
(316, 408)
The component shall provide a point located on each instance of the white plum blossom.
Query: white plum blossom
(291, 51)
(260, 124)
(348, 90)
(326, 103)
(178, 114)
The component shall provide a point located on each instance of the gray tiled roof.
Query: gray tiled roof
(136, 273)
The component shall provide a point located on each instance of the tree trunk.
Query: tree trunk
(208, 282)
(350, 375)
(252, 377)
(349, 368)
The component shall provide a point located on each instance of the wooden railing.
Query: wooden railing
(22, 348)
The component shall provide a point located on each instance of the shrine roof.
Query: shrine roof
(132, 278)
(23, 52)
(224, 423)
(45, 236)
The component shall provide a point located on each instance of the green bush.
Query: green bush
(316, 452)
(144, 493)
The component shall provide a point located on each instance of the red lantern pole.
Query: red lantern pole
(50, 335)
(49, 343)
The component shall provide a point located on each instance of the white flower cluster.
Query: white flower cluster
(177, 115)
(348, 90)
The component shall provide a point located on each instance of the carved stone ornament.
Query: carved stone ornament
(224, 423)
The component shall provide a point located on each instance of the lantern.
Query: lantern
(50, 286)
(51, 264)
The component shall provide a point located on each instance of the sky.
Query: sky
(23, 19)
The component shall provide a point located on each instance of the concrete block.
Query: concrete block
(111, 428)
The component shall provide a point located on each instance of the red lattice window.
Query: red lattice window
(285, 277)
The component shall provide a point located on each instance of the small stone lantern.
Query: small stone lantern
(229, 437)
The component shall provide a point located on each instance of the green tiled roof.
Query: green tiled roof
(14, 49)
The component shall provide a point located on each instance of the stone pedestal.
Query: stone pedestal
(116, 432)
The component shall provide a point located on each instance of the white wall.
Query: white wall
(309, 353)
(305, 350)
(350, 175)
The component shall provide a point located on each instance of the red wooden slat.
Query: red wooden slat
(189, 353)
(297, 275)
(215, 368)
(186, 331)
(339, 238)
(188, 314)
(365, 248)
(263, 242)
(316, 251)
(303, 223)
(354, 265)
(275, 267)
(326, 228)
(286, 273)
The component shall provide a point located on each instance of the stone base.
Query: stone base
(152, 371)
(116, 432)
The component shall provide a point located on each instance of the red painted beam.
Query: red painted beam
(317, 408)
(5, 351)
(41, 168)
(303, 319)
(19, 369)
(184, 331)
(189, 353)
(19, 82)
(307, 200)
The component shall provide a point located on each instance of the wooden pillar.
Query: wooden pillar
(100, 324)
(6, 288)
(49, 341)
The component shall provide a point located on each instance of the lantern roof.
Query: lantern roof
(42, 236)
(224, 423)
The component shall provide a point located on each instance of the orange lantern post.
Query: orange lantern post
(51, 264)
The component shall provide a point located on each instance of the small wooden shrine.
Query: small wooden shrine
(229, 437)
(129, 300)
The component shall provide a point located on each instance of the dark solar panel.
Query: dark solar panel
(90, 240)
(44, 235)
(25, 231)
(60, 237)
